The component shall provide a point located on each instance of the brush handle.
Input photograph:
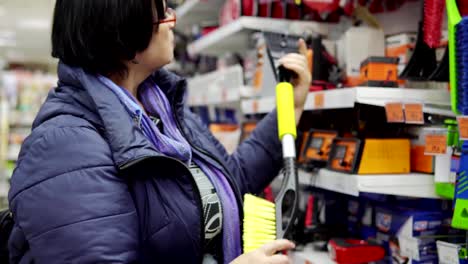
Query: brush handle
(454, 18)
(285, 110)
(286, 201)
(287, 198)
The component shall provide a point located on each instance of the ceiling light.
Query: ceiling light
(7, 43)
(34, 24)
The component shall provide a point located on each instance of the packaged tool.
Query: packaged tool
(318, 146)
(370, 156)
(379, 72)
(353, 251)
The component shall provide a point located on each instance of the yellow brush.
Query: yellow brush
(265, 221)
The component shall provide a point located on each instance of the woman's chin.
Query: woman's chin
(169, 60)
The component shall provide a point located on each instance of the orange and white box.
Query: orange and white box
(400, 46)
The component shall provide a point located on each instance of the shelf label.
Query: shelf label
(414, 113)
(448, 253)
(463, 127)
(224, 96)
(319, 100)
(409, 247)
(255, 106)
(394, 112)
(436, 144)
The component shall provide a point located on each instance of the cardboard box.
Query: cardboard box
(356, 45)
(421, 162)
(405, 234)
(400, 46)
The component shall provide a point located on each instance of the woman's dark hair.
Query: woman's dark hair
(99, 35)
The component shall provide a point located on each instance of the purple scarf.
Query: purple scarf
(172, 143)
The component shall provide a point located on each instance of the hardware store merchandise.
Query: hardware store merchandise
(234, 131)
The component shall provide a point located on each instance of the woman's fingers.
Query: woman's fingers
(276, 246)
(279, 259)
(302, 47)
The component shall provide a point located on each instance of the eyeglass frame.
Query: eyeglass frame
(172, 13)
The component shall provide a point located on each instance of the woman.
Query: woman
(117, 170)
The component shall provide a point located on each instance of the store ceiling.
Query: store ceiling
(25, 30)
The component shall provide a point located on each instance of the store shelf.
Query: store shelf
(435, 101)
(235, 36)
(193, 12)
(411, 185)
(309, 255)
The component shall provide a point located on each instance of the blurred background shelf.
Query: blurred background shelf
(197, 11)
(234, 37)
(435, 101)
(410, 185)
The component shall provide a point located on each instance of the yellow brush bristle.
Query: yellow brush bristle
(259, 222)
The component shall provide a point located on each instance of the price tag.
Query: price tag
(463, 127)
(448, 253)
(409, 247)
(224, 95)
(414, 113)
(255, 106)
(436, 144)
(394, 112)
(319, 100)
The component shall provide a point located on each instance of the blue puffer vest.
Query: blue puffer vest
(90, 188)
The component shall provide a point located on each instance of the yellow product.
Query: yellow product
(385, 156)
(265, 221)
(259, 222)
(285, 108)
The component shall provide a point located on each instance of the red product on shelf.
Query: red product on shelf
(263, 7)
(376, 6)
(351, 251)
(322, 6)
(293, 11)
(208, 30)
(278, 9)
(463, 7)
(248, 7)
(348, 7)
(309, 217)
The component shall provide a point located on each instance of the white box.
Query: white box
(400, 40)
(356, 45)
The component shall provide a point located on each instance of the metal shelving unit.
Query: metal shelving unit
(411, 185)
(434, 101)
(310, 255)
(235, 36)
(193, 12)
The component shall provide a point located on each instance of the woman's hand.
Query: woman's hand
(267, 254)
(297, 62)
